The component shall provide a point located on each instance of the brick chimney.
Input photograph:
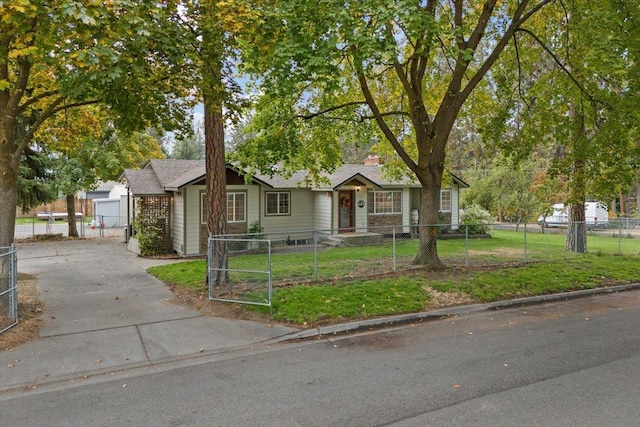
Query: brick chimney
(372, 160)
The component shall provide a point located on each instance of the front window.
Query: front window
(278, 203)
(445, 201)
(236, 207)
(385, 202)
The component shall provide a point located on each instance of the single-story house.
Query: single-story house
(357, 198)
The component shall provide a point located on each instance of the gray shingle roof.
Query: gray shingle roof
(160, 176)
(143, 182)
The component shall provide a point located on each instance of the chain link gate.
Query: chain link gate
(239, 270)
(8, 288)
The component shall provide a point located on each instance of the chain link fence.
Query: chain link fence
(233, 277)
(8, 288)
(255, 264)
(98, 226)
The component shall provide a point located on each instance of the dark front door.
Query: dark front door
(345, 211)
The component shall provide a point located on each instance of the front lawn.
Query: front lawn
(358, 297)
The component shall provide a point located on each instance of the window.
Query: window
(385, 202)
(278, 203)
(236, 207)
(445, 201)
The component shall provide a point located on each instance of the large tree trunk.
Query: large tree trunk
(8, 194)
(71, 215)
(577, 232)
(216, 189)
(428, 221)
(8, 203)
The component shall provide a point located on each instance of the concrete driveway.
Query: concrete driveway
(103, 312)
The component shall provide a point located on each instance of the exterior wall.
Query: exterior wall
(406, 209)
(360, 214)
(177, 224)
(448, 217)
(301, 215)
(123, 211)
(455, 205)
(322, 207)
(193, 239)
(378, 223)
(192, 219)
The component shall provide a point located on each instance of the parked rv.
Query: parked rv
(596, 215)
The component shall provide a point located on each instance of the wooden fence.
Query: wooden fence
(82, 205)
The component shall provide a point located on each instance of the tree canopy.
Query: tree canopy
(406, 68)
(126, 55)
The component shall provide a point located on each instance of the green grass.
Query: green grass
(550, 269)
(583, 272)
(23, 221)
(189, 274)
(348, 301)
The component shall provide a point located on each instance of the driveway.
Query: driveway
(103, 312)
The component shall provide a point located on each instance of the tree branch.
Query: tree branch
(330, 109)
(380, 119)
(497, 50)
(37, 98)
(559, 64)
(51, 110)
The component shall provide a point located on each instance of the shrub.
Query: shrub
(476, 219)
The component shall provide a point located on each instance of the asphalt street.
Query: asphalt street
(556, 364)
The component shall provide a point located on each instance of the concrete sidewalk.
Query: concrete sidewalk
(103, 313)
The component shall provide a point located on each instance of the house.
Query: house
(356, 198)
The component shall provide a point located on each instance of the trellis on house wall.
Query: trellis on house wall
(153, 221)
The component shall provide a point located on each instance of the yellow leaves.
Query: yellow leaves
(235, 14)
(21, 52)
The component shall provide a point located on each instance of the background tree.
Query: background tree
(407, 67)
(570, 95)
(57, 56)
(35, 179)
(189, 147)
(86, 148)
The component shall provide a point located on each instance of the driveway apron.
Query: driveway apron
(104, 312)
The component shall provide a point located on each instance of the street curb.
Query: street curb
(381, 322)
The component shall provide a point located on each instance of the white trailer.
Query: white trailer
(596, 215)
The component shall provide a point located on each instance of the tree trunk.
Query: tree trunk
(577, 232)
(428, 221)
(216, 180)
(8, 203)
(8, 195)
(71, 215)
(638, 195)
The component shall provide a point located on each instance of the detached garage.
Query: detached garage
(112, 212)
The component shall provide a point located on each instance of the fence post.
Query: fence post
(394, 247)
(466, 245)
(620, 237)
(315, 256)
(525, 242)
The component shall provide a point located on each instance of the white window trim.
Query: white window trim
(234, 194)
(266, 204)
(399, 194)
(203, 202)
(442, 192)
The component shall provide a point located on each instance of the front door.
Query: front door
(345, 211)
